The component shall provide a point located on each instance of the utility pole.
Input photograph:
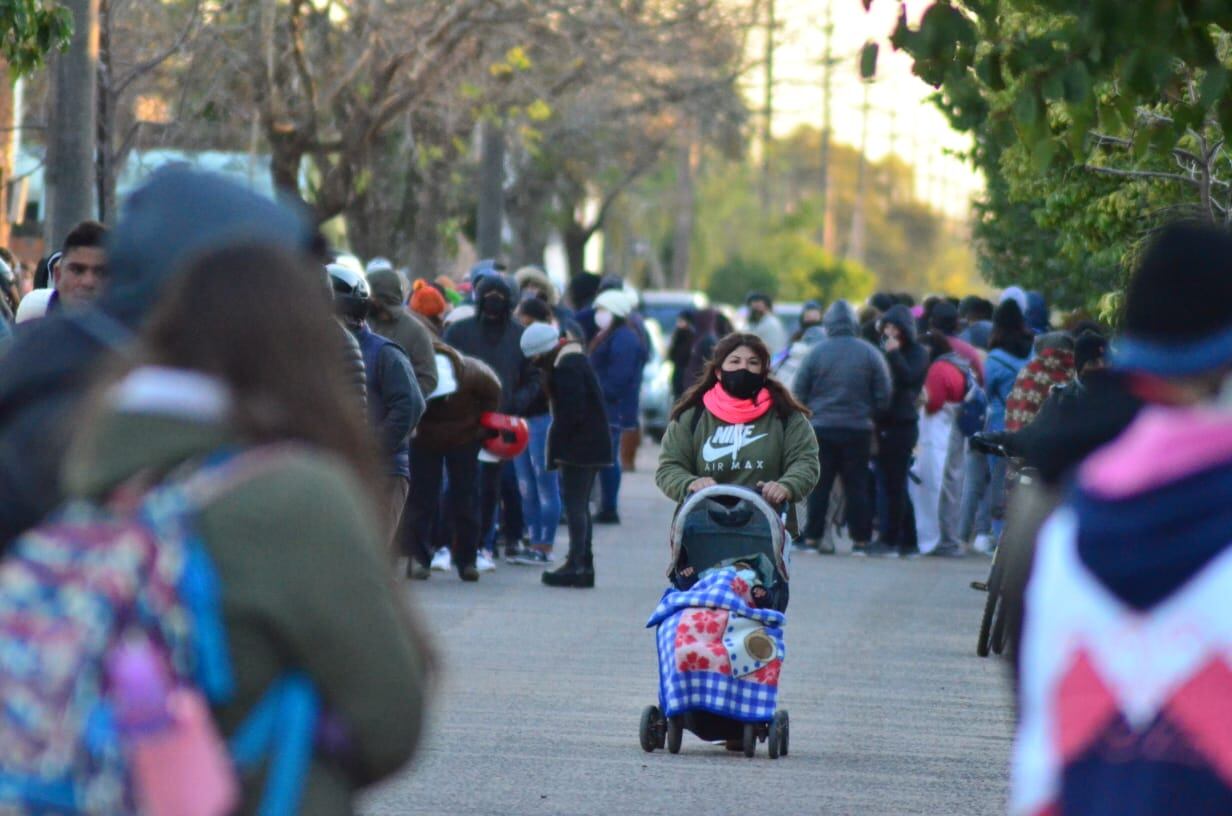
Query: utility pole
(827, 73)
(768, 111)
(71, 140)
(856, 245)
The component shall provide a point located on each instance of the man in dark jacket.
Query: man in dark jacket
(844, 381)
(898, 430)
(493, 336)
(395, 403)
(47, 369)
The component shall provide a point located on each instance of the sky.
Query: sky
(899, 99)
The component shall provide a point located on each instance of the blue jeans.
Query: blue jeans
(609, 477)
(539, 486)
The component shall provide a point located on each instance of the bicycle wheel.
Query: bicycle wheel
(992, 606)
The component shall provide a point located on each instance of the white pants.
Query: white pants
(931, 455)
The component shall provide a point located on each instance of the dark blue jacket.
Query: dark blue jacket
(395, 403)
(618, 360)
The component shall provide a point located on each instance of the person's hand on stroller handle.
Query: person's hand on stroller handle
(701, 483)
(774, 492)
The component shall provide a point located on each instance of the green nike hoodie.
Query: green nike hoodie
(769, 449)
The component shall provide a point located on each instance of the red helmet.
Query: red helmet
(512, 437)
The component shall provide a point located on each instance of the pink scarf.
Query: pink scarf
(736, 411)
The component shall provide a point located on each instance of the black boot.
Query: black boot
(578, 573)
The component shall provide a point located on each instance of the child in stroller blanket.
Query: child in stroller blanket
(687, 577)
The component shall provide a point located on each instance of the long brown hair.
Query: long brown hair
(785, 402)
(259, 319)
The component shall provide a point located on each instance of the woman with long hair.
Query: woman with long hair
(304, 570)
(739, 425)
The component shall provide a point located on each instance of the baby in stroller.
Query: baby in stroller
(687, 576)
(720, 626)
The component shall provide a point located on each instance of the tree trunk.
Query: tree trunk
(686, 209)
(8, 118)
(576, 237)
(72, 194)
(105, 152)
(491, 190)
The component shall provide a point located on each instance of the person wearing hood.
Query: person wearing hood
(178, 213)
(618, 355)
(898, 430)
(845, 382)
(1036, 313)
(1123, 673)
(492, 336)
(390, 318)
(764, 323)
(577, 445)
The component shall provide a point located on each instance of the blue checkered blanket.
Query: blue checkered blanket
(705, 660)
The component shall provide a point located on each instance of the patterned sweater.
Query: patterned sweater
(1050, 368)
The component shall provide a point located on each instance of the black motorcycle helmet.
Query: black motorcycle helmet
(351, 291)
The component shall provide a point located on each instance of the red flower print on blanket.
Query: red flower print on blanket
(768, 674)
(741, 588)
(699, 644)
(709, 624)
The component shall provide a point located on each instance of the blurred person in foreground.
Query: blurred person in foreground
(176, 214)
(1124, 678)
(302, 565)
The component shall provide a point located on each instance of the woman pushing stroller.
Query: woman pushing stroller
(738, 449)
(739, 426)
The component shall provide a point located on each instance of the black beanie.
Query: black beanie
(582, 289)
(1182, 289)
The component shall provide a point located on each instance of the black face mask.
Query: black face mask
(493, 308)
(742, 383)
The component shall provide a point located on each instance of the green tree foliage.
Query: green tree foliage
(29, 30)
(1093, 122)
(910, 247)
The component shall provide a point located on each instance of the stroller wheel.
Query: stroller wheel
(776, 744)
(750, 740)
(674, 733)
(651, 730)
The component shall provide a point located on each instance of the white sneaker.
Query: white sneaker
(484, 562)
(442, 561)
(982, 544)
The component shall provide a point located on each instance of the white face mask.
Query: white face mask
(603, 319)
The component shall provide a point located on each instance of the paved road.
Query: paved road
(538, 707)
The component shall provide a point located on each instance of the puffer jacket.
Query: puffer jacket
(844, 381)
(353, 360)
(453, 421)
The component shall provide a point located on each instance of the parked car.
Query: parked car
(656, 392)
(665, 305)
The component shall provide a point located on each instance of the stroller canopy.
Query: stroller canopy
(723, 523)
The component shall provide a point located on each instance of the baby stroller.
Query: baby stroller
(719, 628)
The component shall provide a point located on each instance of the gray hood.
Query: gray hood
(840, 320)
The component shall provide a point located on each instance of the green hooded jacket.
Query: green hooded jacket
(306, 584)
(768, 449)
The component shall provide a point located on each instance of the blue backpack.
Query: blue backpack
(71, 591)
(973, 410)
